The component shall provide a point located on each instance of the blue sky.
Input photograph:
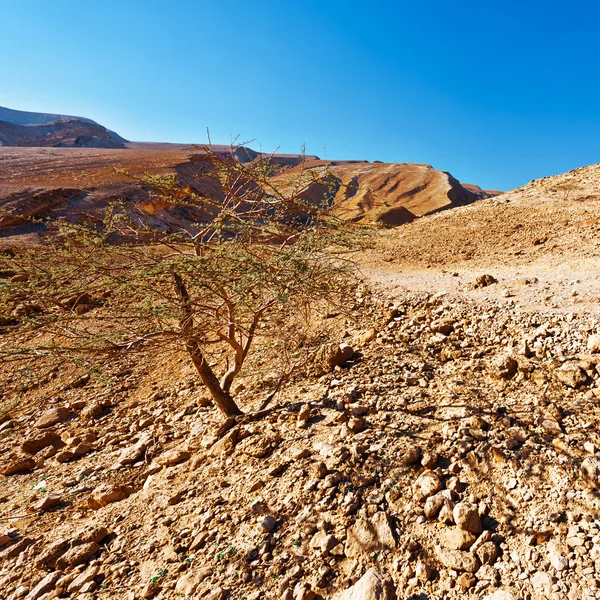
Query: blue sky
(497, 93)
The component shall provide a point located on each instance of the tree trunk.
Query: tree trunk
(222, 399)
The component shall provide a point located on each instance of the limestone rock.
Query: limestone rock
(373, 585)
(78, 555)
(266, 523)
(83, 578)
(507, 366)
(487, 553)
(187, 584)
(133, 453)
(410, 455)
(332, 355)
(466, 517)
(542, 584)
(107, 494)
(571, 374)
(52, 417)
(45, 585)
(370, 535)
(324, 542)
(458, 539)
(590, 470)
(35, 444)
(16, 464)
(501, 595)
(303, 591)
(173, 457)
(48, 502)
(457, 560)
(484, 281)
(427, 484)
(257, 446)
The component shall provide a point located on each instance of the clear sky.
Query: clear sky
(497, 93)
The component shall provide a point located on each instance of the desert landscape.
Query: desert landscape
(439, 439)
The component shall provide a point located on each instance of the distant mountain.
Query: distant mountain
(33, 119)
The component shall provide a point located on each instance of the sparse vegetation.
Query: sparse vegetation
(258, 252)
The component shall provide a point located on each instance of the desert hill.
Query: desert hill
(72, 182)
(554, 219)
(392, 193)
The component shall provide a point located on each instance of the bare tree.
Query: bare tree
(246, 249)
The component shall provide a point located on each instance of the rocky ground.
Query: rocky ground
(454, 454)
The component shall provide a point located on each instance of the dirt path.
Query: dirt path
(569, 288)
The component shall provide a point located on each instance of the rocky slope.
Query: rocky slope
(552, 221)
(454, 455)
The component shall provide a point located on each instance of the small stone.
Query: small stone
(423, 571)
(151, 589)
(571, 375)
(332, 355)
(266, 523)
(133, 453)
(65, 456)
(429, 459)
(34, 445)
(373, 585)
(324, 542)
(107, 494)
(77, 584)
(187, 584)
(466, 517)
(411, 455)
(457, 539)
(593, 343)
(507, 366)
(48, 502)
(542, 584)
(487, 553)
(426, 485)
(356, 424)
(483, 281)
(589, 447)
(466, 581)
(433, 505)
(52, 417)
(173, 457)
(77, 555)
(559, 562)
(458, 560)
(369, 535)
(551, 426)
(501, 595)
(17, 464)
(590, 470)
(45, 585)
(302, 591)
